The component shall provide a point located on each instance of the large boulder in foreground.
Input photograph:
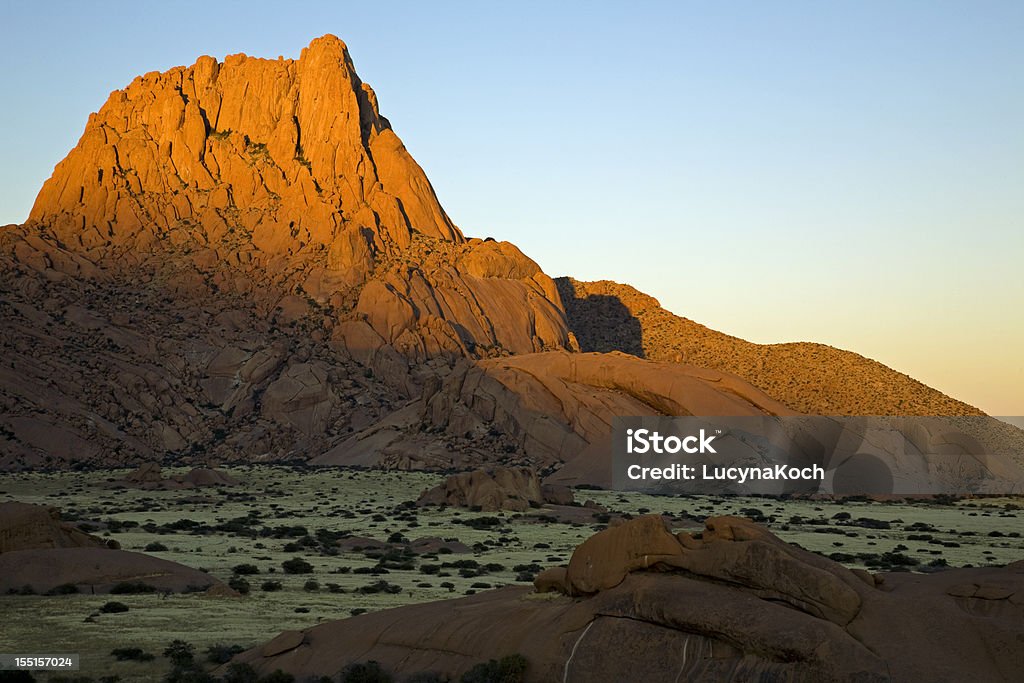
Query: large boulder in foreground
(98, 570)
(638, 602)
(27, 527)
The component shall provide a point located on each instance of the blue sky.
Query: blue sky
(844, 172)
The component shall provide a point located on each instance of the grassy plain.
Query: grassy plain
(280, 513)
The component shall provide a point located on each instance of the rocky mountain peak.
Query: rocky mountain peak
(252, 237)
(291, 152)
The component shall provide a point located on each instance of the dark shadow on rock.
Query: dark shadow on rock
(600, 322)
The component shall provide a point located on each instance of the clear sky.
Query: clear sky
(848, 172)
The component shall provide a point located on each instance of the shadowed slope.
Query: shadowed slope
(810, 378)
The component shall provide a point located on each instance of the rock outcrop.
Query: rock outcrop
(557, 408)
(734, 604)
(551, 410)
(498, 488)
(94, 571)
(292, 162)
(148, 476)
(253, 279)
(31, 527)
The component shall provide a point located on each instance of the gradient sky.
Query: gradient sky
(844, 172)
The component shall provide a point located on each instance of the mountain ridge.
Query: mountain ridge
(594, 308)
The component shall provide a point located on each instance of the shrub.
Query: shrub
(297, 565)
(132, 588)
(381, 587)
(277, 677)
(63, 589)
(156, 547)
(114, 607)
(271, 586)
(222, 654)
(510, 669)
(311, 586)
(365, 672)
(180, 653)
(246, 569)
(239, 584)
(131, 654)
(189, 674)
(240, 673)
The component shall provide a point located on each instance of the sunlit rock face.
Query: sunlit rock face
(241, 259)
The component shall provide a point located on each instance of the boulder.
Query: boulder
(205, 476)
(97, 570)
(498, 488)
(30, 527)
(603, 560)
(148, 476)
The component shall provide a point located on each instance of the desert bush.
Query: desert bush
(132, 588)
(180, 653)
(311, 586)
(482, 522)
(239, 584)
(222, 654)
(155, 547)
(189, 674)
(114, 607)
(297, 565)
(271, 586)
(365, 672)
(63, 589)
(426, 677)
(17, 677)
(131, 654)
(240, 673)
(245, 569)
(381, 587)
(510, 669)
